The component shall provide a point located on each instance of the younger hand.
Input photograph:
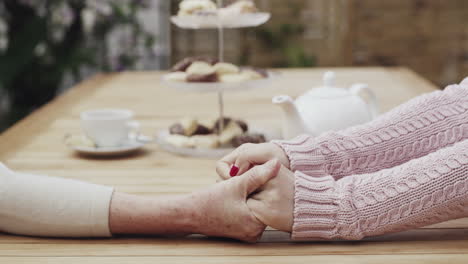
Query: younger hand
(274, 204)
(248, 155)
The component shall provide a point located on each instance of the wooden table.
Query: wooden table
(35, 145)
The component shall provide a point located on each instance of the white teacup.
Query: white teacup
(108, 127)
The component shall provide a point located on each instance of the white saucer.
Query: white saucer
(213, 21)
(131, 145)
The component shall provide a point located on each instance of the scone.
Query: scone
(177, 76)
(194, 7)
(213, 77)
(201, 71)
(237, 8)
(179, 141)
(200, 68)
(225, 68)
(230, 131)
(204, 141)
(186, 127)
(233, 78)
(243, 6)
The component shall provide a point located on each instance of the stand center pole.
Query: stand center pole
(220, 59)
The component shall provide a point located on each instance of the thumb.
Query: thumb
(259, 175)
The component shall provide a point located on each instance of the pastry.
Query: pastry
(176, 129)
(202, 130)
(237, 8)
(206, 69)
(243, 6)
(190, 133)
(186, 127)
(248, 138)
(200, 68)
(242, 125)
(216, 124)
(234, 77)
(230, 131)
(185, 63)
(177, 76)
(252, 75)
(225, 68)
(195, 7)
(204, 141)
(182, 65)
(208, 123)
(179, 141)
(212, 77)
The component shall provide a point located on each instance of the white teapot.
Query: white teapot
(327, 108)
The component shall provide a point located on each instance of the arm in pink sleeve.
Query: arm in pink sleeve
(412, 130)
(421, 192)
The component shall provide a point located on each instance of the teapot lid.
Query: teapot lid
(329, 88)
(329, 79)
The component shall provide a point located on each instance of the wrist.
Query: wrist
(190, 216)
(131, 214)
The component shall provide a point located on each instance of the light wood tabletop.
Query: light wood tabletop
(35, 145)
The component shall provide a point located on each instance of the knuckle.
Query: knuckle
(253, 177)
(219, 168)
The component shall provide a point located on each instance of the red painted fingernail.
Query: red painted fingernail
(234, 170)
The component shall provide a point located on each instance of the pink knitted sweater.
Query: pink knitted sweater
(406, 169)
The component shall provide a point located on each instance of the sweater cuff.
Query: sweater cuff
(315, 208)
(304, 155)
(464, 82)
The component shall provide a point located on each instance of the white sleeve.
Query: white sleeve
(46, 206)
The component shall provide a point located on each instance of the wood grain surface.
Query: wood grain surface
(35, 145)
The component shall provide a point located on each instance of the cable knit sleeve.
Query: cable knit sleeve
(412, 130)
(423, 191)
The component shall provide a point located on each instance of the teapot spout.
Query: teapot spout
(293, 125)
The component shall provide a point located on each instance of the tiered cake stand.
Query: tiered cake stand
(220, 23)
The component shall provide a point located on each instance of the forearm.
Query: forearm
(132, 214)
(47, 206)
(412, 130)
(421, 192)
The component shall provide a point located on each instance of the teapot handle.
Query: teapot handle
(360, 88)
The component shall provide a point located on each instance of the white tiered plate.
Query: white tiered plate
(213, 21)
(215, 86)
(205, 153)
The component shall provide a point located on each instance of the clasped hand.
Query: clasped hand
(265, 196)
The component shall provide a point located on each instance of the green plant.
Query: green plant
(41, 42)
(283, 40)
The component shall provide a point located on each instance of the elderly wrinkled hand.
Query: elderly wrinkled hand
(223, 209)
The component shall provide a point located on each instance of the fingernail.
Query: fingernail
(234, 170)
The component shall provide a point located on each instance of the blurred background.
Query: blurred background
(48, 46)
